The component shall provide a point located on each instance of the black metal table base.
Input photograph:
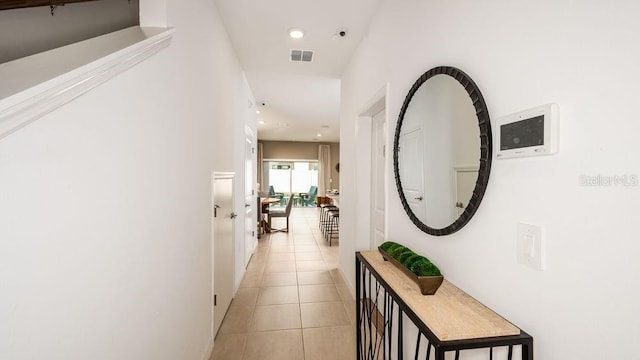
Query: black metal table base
(380, 332)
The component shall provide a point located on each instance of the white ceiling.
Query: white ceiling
(299, 98)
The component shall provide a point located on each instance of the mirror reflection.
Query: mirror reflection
(439, 151)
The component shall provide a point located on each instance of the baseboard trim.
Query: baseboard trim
(209, 351)
(352, 291)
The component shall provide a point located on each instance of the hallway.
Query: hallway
(292, 303)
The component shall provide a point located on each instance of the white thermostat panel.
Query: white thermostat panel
(530, 132)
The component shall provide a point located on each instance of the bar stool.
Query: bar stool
(333, 226)
(324, 215)
(325, 221)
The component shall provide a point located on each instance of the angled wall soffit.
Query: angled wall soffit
(29, 95)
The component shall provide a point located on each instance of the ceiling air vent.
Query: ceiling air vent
(301, 55)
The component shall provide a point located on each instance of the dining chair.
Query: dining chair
(260, 216)
(281, 214)
(309, 198)
(274, 194)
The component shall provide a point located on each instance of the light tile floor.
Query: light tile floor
(292, 303)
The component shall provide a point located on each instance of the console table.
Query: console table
(449, 321)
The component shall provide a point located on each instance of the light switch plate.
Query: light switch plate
(529, 246)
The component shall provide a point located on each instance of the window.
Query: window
(291, 176)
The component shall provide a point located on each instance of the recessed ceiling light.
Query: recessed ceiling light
(257, 111)
(319, 135)
(261, 122)
(296, 33)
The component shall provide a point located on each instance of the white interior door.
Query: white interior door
(223, 253)
(411, 171)
(465, 184)
(250, 217)
(378, 186)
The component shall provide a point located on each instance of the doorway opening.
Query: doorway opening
(285, 177)
(372, 171)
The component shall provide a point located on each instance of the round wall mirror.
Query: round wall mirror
(442, 150)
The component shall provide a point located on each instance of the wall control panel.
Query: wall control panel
(531, 132)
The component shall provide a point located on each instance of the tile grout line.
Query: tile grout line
(292, 240)
(295, 258)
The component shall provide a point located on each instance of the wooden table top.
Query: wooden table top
(269, 200)
(451, 314)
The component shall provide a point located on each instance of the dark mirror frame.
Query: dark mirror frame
(484, 124)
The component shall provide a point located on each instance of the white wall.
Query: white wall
(577, 54)
(105, 214)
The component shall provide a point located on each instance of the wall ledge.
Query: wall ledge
(36, 85)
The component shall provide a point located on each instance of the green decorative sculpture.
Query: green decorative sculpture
(417, 267)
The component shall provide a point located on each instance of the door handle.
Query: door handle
(419, 198)
(233, 215)
(459, 205)
(247, 205)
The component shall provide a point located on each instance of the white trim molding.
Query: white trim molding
(209, 350)
(37, 85)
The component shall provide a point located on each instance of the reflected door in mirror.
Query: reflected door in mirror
(465, 183)
(411, 171)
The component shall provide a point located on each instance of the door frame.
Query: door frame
(372, 212)
(364, 132)
(250, 175)
(218, 175)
